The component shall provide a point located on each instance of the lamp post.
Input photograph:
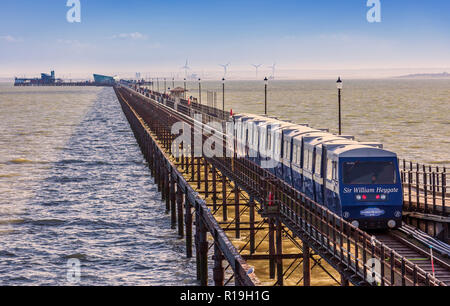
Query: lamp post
(199, 91)
(165, 85)
(223, 95)
(173, 83)
(266, 82)
(157, 83)
(185, 88)
(339, 85)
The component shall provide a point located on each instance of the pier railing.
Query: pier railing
(425, 188)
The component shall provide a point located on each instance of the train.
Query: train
(359, 181)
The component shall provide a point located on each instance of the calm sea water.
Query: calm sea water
(410, 117)
(73, 184)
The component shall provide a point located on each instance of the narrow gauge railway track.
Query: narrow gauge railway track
(343, 246)
(416, 252)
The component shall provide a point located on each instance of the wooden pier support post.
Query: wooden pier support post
(344, 281)
(203, 253)
(306, 265)
(180, 156)
(206, 178)
(188, 228)
(152, 160)
(162, 179)
(279, 245)
(224, 198)
(167, 189)
(180, 211)
(150, 156)
(158, 175)
(271, 249)
(237, 216)
(192, 168)
(199, 167)
(173, 208)
(186, 162)
(218, 271)
(252, 225)
(197, 241)
(214, 188)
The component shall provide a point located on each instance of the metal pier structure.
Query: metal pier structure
(257, 230)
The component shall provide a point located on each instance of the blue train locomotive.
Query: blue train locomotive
(358, 181)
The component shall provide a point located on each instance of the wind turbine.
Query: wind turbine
(273, 70)
(256, 67)
(225, 69)
(186, 68)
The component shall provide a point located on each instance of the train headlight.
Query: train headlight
(391, 223)
(358, 197)
(355, 224)
(383, 197)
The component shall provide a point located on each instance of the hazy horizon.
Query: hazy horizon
(282, 75)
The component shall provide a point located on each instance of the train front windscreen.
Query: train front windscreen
(369, 173)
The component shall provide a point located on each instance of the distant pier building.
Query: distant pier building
(104, 80)
(51, 80)
(46, 79)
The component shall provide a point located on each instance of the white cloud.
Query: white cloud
(132, 36)
(10, 39)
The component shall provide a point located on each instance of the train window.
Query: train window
(329, 170)
(334, 171)
(318, 164)
(306, 161)
(277, 146)
(294, 154)
(310, 161)
(286, 150)
(370, 172)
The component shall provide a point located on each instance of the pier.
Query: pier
(51, 80)
(64, 84)
(260, 231)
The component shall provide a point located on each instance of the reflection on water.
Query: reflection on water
(73, 184)
(410, 117)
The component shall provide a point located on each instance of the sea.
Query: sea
(78, 204)
(74, 188)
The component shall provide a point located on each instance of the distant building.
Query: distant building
(46, 79)
(104, 80)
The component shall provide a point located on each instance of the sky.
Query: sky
(305, 38)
